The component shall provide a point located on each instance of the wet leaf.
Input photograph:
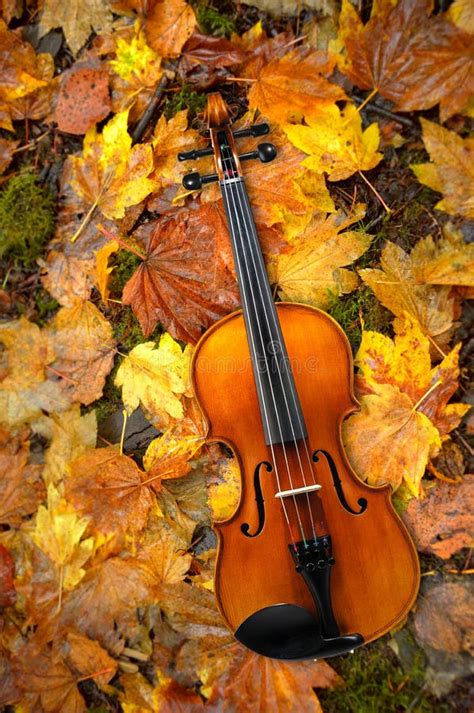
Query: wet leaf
(336, 143)
(88, 658)
(21, 486)
(169, 24)
(204, 60)
(7, 587)
(311, 269)
(83, 99)
(110, 490)
(451, 170)
(442, 523)
(155, 376)
(171, 137)
(183, 282)
(77, 19)
(70, 436)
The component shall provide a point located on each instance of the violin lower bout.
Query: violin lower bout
(375, 577)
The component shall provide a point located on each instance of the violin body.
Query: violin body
(313, 562)
(375, 580)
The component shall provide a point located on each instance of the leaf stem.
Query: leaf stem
(374, 190)
(367, 99)
(124, 426)
(110, 236)
(427, 393)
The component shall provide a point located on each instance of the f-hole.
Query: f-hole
(362, 502)
(245, 527)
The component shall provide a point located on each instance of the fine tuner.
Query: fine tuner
(265, 152)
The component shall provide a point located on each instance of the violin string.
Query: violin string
(228, 159)
(245, 203)
(259, 377)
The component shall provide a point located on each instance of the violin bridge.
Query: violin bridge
(298, 491)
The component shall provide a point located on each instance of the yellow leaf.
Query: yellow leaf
(461, 13)
(335, 142)
(168, 455)
(169, 139)
(448, 261)
(58, 532)
(224, 495)
(77, 18)
(452, 170)
(102, 270)
(165, 560)
(111, 174)
(312, 269)
(155, 377)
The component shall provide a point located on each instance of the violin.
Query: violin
(313, 563)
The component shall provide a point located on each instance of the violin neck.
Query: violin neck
(280, 408)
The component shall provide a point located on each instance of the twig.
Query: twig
(140, 128)
(375, 191)
(384, 112)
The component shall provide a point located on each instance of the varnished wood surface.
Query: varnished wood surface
(376, 576)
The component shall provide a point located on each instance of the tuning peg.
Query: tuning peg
(195, 153)
(265, 152)
(255, 130)
(193, 181)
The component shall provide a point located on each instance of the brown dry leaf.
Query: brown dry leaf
(77, 19)
(169, 23)
(70, 435)
(83, 99)
(165, 560)
(451, 171)
(7, 586)
(110, 489)
(22, 73)
(155, 377)
(205, 59)
(444, 619)
(405, 409)
(299, 75)
(167, 696)
(397, 287)
(443, 522)
(27, 387)
(88, 658)
(168, 455)
(67, 277)
(83, 344)
(260, 49)
(21, 486)
(7, 149)
(183, 282)
(311, 269)
(413, 59)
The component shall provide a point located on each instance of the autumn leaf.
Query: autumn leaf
(260, 49)
(174, 284)
(442, 523)
(136, 72)
(412, 59)
(443, 620)
(110, 490)
(224, 492)
(83, 344)
(102, 269)
(451, 170)
(205, 60)
(21, 486)
(399, 289)
(83, 99)
(7, 586)
(67, 277)
(58, 533)
(460, 12)
(169, 23)
(404, 406)
(77, 19)
(301, 75)
(168, 455)
(335, 142)
(171, 137)
(165, 560)
(311, 269)
(447, 261)
(155, 376)
(111, 174)
(88, 658)
(7, 150)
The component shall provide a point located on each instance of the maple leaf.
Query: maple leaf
(136, 72)
(451, 171)
(448, 261)
(156, 377)
(312, 266)
(260, 49)
(58, 533)
(67, 277)
(460, 12)
(21, 73)
(168, 455)
(397, 287)
(21, 487)
(111, 174)
(169, 138)
(174, 284)
(83, 98)
(77, 19)
(336, 143)
(7, 587)
(205, 59)
(169, 23)
(139, 696)
(224, 492)
(102, 269)
(442, 523)
(443, 619)
(88, 658)
(110, 489)
(404, 410)
(412, 59)
(165, 560)
(26, 385)
(301, 75)
(83, 343)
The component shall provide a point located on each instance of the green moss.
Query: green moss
(375, 682)
(26, 218)
(111, 400)
(186, 98)
(124, 263)
(45, 305)
(359, 305)
(212, 21)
